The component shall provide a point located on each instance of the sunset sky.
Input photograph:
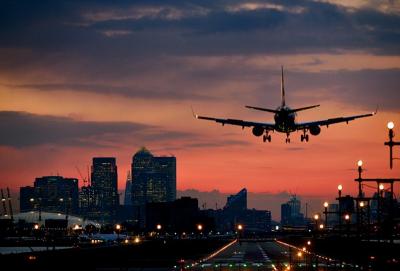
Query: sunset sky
(103, 78)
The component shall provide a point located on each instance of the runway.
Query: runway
(249, 255)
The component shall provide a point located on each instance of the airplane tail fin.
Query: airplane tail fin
(283, 103)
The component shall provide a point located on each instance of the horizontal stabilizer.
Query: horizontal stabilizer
(262, 109)
(304, 108)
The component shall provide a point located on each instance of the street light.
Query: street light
(309, 242)
(118, 229)
(36, 226)
(381, 187)
(316, 217)
(362, 204)
(347, 217)
(200, 227)
(158, 227)
(240, 227)
(326, 204)
(321, 226)
(340, 187)
(360, 170)
(391, 143)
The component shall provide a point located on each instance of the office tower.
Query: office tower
(105, 185)
(25, 195)
(56, 194)
(237, 202)
(153, 178)
(291, 213)
(128, 190)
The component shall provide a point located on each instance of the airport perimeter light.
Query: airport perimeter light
(391, 143)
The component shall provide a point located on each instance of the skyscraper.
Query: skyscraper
(128, 190)
(56, 193)
(153, 180)
(290, 213)
(105, 185)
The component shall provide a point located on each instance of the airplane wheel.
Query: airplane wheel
(288, 140)
(264, 138)
(302, 138)
(269, 138)
(306, 138)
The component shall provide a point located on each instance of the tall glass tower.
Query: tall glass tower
(104, 183)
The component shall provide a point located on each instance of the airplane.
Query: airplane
(285, 120)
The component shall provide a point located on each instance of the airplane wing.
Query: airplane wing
(327, 122)
(243, 123)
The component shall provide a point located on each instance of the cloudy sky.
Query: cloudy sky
(102, 78)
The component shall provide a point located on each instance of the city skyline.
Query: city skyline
(105, 79)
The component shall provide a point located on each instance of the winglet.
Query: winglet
(194, 115)
(376, 110)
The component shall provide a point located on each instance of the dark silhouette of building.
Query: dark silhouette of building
(52, 194)
(181, 215)
(291, 213)
(105, 185)
(235, 212)
(26, 193)
(237, 202)
(128, 190)
(153, 180)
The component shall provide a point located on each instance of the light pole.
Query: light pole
(340, 188)
(118, 229)
(239, 232)
(347, 219)
(391, 143)
(326, 204)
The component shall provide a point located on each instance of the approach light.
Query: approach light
(390, 125)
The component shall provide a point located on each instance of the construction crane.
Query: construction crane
(10, 204)
(84, 180)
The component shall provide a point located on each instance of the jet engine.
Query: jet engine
(315, 130)
(258, 131)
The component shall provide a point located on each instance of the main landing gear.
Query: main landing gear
(287, 138)
(267, 137)
(304, 137)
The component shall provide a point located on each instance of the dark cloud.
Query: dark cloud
(130, 91)
(22, 129)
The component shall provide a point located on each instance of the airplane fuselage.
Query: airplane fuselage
(285, 120)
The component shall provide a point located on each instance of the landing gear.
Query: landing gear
(287, 138)
(267, 137)
(304, 137)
